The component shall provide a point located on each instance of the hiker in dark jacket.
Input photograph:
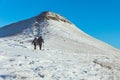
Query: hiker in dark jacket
(34, 42)
(40, 41)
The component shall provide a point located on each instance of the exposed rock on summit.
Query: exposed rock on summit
(50, 15)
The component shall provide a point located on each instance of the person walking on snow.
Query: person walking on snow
(40, 42)
(34, 42)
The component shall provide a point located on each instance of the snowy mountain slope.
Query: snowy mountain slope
(68, 53)
(16, 28)
(52, 26)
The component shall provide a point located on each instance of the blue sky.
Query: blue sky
(98, 18)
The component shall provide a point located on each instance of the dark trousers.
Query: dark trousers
(40, 46)
(34, 46)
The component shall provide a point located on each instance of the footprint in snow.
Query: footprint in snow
(12, 59)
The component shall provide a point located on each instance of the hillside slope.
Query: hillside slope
(67, 53)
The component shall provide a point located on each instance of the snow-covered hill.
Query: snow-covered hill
(68, 53)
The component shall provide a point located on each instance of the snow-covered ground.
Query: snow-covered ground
(67, 53)
(21, 62)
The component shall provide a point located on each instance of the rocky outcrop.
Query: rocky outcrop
(51, 16)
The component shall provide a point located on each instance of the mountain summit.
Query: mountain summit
(68, 53)
(47, 15)
(20, 26)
